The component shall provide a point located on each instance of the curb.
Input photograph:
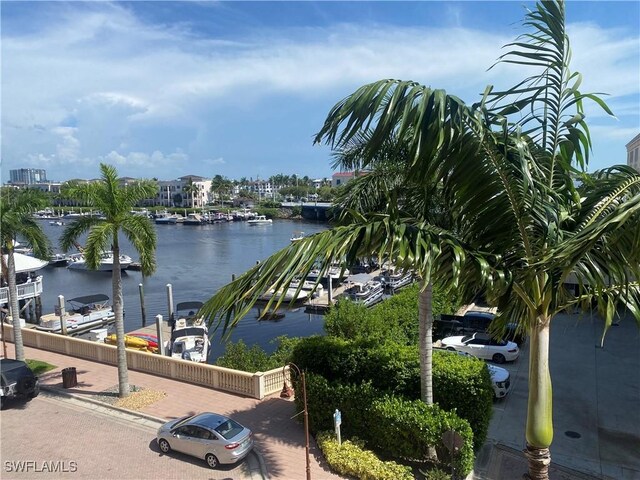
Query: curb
(82, 398)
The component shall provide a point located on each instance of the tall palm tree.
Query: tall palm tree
(16, 220)
(116, 203)
(520, 223)
(190, 188)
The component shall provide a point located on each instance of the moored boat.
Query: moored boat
(367, 292)
(78, 262)
(84, 313)
(189, 336)
(260, 220)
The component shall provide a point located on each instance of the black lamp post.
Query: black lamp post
(287, 392)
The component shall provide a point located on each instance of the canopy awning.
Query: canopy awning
(25, 263)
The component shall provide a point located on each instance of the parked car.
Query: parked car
(483, 346)
(17, 381)
(215, 438)
(500, 377)
(474, 321)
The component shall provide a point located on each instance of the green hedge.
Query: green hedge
(402, 429)
(351, 459)
(407, 428)
(459, 382)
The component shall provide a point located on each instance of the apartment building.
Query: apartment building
(633, 153)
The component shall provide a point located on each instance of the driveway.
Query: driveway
(57, 437)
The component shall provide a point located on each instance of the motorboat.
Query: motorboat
(194, 219)
(84, 313)
(166, 218)
(58, 260)
(296, 237)
(260, 220)
(189, 335)
(315, 289)
(367, 293)
(394, 278)
(334, 272)
(291, 294)
(143, 343)
(58, 223)
(77, 262)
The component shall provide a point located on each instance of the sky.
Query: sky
(166, 89)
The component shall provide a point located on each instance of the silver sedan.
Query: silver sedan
(215, 438)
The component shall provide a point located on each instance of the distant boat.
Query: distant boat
(58, 260)
(367, 293)
(58, 223)
(297, 236)
(166, 218)
(193, 219)
(260, 220)
(77, 262)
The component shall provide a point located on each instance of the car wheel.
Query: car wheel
(499, 358)
(211, 459)
(35, 392)
(164, 446)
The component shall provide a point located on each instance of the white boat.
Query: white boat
(296, 237)
(58, 260)
(84, 313)
(395, 278)
(193, 219)
(166, 218)
(315, 289)
(259, 220)
(189, 336)
(291, 294)
(58, 223)
(367, 293)
(334, 272)
(77, 262)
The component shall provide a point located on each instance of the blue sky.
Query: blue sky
(165, 89)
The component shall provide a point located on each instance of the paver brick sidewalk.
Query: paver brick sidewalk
(279, 437)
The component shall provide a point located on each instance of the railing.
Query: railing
(25, 290)
(257, 385)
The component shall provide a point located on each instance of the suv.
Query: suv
(17, 380)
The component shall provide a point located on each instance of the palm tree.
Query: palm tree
(16, 220)
(520, 224)
(190, 188)
(116, 203)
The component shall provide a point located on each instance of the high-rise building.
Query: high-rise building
(28, 176)
(633, 153)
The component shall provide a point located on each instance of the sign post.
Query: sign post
(337, 421)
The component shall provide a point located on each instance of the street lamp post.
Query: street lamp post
(287, 392)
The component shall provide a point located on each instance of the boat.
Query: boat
(166, 218)
(260, 220)
(334, 272)
(134, 342)
(84, 313)
(193, 219)
(58, 260)
(367, 293)
(77, 262)
(189, 335)
(58, 223)
(296, 237)
(315, 289)
(291, 294)
(394, 278)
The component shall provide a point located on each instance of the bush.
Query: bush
(254, 359)
(464, 384)
(459, 382)
(405, 429)
(351, 459)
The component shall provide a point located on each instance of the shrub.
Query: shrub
(254, 359)
(407, 428)
(351, 459)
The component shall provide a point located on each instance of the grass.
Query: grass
(38, 367)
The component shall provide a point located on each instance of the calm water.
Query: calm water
(196, 261)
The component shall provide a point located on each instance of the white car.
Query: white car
(483, 346)
(500, 377)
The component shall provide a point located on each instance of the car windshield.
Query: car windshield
(466, 338)
(229, 429)
(183, 420)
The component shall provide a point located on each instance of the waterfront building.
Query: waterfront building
(633, 153)
(27, 176)
(341, 178)
(188, 191)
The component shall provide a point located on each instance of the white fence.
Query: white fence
(257, 385)
(25, 290)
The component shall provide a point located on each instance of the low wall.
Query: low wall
(256, 385)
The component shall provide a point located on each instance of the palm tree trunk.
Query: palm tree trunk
(425, 329)
(539, 431)
(123, 373)
(15, 309)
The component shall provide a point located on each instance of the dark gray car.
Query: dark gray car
(17, 381)
(215, 438)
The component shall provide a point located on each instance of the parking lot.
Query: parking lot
(596, 393)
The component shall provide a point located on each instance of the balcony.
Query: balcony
(25, 290)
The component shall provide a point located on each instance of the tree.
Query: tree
(520, 224)
(116, 203)
(16, 220)
(190, 188)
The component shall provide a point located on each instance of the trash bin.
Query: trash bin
(69, 377)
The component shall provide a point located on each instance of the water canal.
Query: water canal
(196, 261)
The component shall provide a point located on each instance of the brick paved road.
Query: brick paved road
(54, 433)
